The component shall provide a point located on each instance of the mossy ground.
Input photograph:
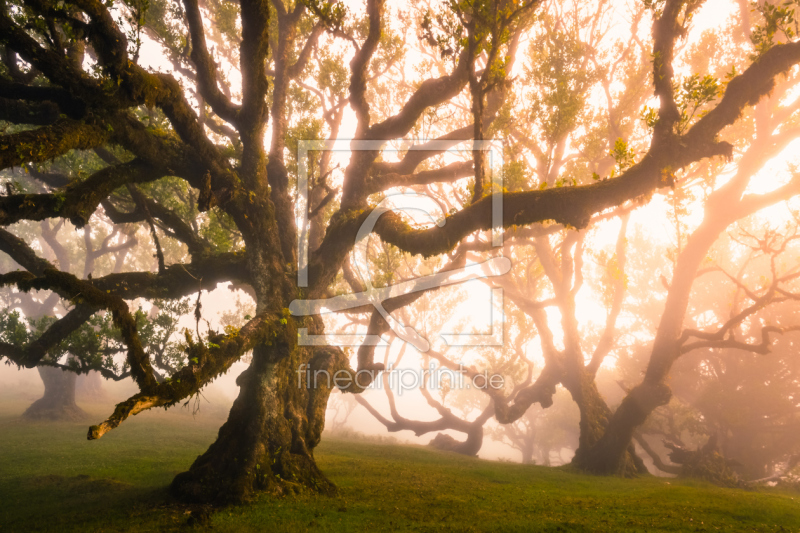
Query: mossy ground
(53, 479)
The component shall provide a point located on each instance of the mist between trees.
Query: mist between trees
(649, 217)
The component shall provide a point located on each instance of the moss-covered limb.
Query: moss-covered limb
(206, 67)
(134, 405)
(192, 158)
(15, 278)
(571, 206)
(177, 280)
(359, 63)
(49, 142)
(21, 112)
(108, 41)
(32, 354)
(430, 93)
(253, 52)
(22, 253)
(254, 49)
(67, 104)
(666, 31)
(744, 90)
(206, 362)
(164, 91)
(161, 150)
(446, 174)
(178, 158)
(419, 153)
(76, 202)
(47, 61)
(168, 219)
(189, 154)
(83, 292)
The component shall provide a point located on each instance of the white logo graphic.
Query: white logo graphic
(493, 267)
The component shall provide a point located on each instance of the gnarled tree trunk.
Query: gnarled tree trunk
(595, 426)
(274, 425)
(58, 402)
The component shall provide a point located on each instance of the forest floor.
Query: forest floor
(53, 479)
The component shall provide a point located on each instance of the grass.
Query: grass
(52, 479)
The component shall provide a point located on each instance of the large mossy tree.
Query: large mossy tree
(194, 145)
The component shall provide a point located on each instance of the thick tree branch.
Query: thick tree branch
(206, 67)
(32, 354)
(76, 202)
(224, 350)
(49, 142)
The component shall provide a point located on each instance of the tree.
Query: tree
(562, 264)
(185, 153)
(739, 391)
(58, 401)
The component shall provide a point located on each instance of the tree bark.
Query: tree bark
(58, 402)
(596, 422)
(274, 425)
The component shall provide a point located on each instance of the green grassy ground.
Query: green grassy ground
(52, 479)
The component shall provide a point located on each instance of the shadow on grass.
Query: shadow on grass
(62, 503)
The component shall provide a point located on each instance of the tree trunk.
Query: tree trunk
(527, 451)
(58, 402)
(594, 429)
(274, 425)
(544, 455)
(613, 451)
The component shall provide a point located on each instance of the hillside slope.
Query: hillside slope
(52, 479)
